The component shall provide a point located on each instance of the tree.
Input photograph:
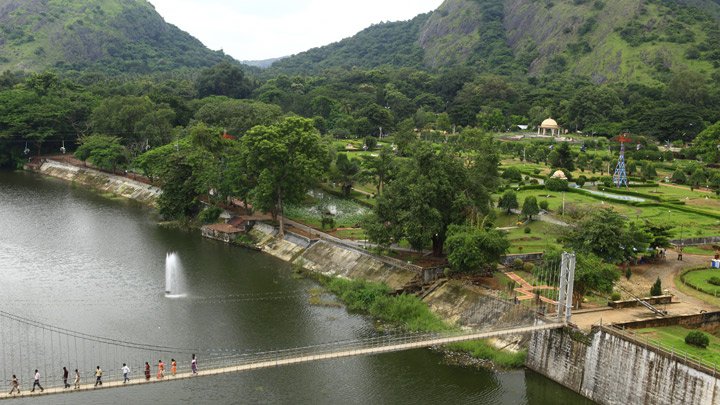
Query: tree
(697, 178)
(647, 169)
(285, 159)
(512, 174)
(530, 207)
(562, 158)
(605, 234)
(508, 201)
(345, 172)
(431, 191)
(659, 235)
(679, 177)
(471, 249)
(656, 288)
(223, 79)
(236, 116)
(103, 151)
(134, 119)
(706, 144)
(379, 167)
(580, 181)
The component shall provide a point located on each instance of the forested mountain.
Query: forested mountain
(618, 40)
(126, 36)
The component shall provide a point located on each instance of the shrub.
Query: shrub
(714, 280)
(512, 174)
(697, 338)
(209, 215)
(517, 264)
(528, 267)
(628, 273)
(606, 181)
(556, 184)
(615, 296)
(527, 229)
(656, 289)
(544, 205)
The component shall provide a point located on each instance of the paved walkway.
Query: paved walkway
(527, 291)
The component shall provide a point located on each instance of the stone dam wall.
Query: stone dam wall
(612, 369)
(105, 182)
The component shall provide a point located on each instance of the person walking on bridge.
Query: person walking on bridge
(193, 365)
(161, 370)
(77, 379)
(15, 385)
(65, 377)
(173, 367)
(147, 371)
(37, 382)
(98, 376)
(125, 371)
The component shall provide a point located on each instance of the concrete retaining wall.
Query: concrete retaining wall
(105, 182)
(707, 240)
(612, 369)
(331, 259)
(471, 306)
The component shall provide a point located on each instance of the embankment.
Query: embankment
(611, 368)
(100, 181)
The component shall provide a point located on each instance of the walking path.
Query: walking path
(527, 291)
(301, 358)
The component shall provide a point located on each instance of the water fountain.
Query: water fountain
(173, 276)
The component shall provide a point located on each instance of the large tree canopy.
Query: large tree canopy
(285, 159)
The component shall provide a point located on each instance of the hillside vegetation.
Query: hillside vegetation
(113, 35)
(621, 40)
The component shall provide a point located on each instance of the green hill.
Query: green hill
(113, 35)
(606, 40)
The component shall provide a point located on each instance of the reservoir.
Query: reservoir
(96, 265)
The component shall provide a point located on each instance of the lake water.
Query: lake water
(74, 259)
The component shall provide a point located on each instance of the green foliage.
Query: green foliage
(209, 215)
(508, 201)
(435, 189)
(472, 249)
(714, 281)
(553, 184)
(606, 234)
(615, 296)
(345, 172)
(407, 311)
(679, 177)
(656, 288)
(223, 79)
(697, 338)
(544, 205)
(530, 207)
(285, 159)
(512, 173)
(112, 36)
(483, 350)
(103, 151)
(235, 116)
(591, 273)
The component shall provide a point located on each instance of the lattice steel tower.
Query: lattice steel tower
(620, 176)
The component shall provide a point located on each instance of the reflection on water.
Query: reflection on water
(73, 259)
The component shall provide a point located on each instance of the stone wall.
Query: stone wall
(706, 240)
(610, 368)
(105, 182)
(331, 259)
(472, 306)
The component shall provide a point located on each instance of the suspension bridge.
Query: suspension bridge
(27, 344)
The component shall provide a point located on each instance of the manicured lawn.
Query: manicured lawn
(695, 293)
(700, 250)
(673, 337)
(542, 236)
(684, 224)
(699, 280)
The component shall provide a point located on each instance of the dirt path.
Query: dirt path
(639, 284)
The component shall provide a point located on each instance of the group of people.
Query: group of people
(15, 383)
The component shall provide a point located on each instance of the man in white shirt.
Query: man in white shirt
(125, 371)
(37, 382)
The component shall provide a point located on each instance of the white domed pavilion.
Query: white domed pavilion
(550, 124)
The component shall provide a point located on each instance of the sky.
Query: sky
(264, 29)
